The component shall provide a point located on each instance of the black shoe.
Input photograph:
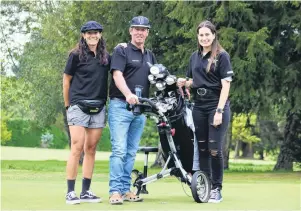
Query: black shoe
(89, 196)
(71, 198)
(215, 196)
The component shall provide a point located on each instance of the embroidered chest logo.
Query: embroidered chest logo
(214, 61)
(135, 60)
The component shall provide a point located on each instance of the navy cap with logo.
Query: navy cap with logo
(140, 21)
(91, 26)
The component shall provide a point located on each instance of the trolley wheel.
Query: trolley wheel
(200, 187)
(135, 175)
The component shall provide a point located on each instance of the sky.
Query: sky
(11, 40)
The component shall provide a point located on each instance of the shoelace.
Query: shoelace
(214, 193)
(71, 195)
(90, 193)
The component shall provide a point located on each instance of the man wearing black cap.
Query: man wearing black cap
(85, 93)
(130, 72)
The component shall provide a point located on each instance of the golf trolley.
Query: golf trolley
(167, 108)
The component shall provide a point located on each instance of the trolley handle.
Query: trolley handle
(142, 100)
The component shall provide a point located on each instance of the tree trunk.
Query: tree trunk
(159, 161)
(69, 136)
(261, 155)
(237, 148)
(247, 150)
(226, 146)
(291, 132)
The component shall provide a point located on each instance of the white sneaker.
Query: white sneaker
(71, 198)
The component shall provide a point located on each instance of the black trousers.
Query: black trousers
(210, 142)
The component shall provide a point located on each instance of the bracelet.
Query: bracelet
(67, 107)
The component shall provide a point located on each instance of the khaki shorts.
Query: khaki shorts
(75, 116)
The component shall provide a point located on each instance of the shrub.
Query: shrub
(60, 139)
(105, 142)
(46, 140)
(25, 133)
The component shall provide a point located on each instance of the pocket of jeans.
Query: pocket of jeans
(117, 104)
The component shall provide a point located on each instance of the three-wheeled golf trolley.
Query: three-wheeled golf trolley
(169, 110)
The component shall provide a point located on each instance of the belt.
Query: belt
(203, 91)
(117, 98)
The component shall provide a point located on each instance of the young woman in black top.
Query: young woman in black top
(209, 75)
(85, 92)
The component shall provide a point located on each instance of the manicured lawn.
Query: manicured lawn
(42, 187)
(38, 183)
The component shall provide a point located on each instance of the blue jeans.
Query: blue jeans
(126, 130)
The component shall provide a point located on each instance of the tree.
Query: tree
(246, 42)
(5, 133)
(283, 21)
(243, 132)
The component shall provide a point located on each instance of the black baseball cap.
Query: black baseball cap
(140, 21)
(91, 26)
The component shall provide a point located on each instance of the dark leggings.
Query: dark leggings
(210, 142)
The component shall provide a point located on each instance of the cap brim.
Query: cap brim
(91, 30)
(142, 26)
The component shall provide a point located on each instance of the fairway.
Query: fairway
(32, 190)
(40, 185)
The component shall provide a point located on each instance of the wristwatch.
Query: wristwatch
(219, 110)
(67, 107)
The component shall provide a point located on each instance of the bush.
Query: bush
(150, 136)
(46, 140)
(5, 133)
(25, 133)
(60, 139)
(105, 142)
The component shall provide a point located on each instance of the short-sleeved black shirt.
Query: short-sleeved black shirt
(133, 64)
(90, 77)
(220, 69)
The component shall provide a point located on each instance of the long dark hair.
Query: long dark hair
(82, 49)
(216, 48)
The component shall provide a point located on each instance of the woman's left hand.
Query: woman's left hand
(217, 119)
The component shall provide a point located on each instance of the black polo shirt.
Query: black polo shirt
(133, 64)
(90, 78)
(197, 70)
(219, 70)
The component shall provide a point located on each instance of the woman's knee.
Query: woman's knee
(90, 149)
(77, 148)
(215, 148)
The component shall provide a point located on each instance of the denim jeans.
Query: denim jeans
(126, 130)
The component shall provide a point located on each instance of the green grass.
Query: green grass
(33, 182)
(40, 185)
(26, 190)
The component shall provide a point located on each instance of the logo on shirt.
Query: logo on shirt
(135, 60)
(213, 61)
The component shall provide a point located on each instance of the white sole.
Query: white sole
(215, 201)
(73, 202)
(91, 200)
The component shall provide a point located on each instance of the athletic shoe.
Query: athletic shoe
(71, 198)
(215, 196)
(89, 196)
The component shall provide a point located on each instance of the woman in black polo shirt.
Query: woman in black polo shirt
(85, 93)
(209, 75)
